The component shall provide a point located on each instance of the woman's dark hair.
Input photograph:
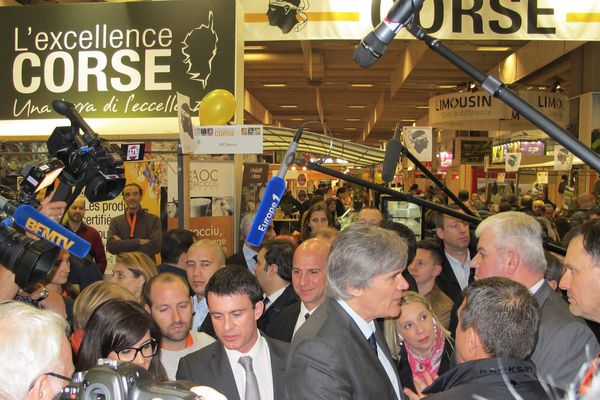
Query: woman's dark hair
(116, 325)
(320, 206)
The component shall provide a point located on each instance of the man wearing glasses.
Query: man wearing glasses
(35, 353)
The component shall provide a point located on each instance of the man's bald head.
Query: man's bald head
(309, 271)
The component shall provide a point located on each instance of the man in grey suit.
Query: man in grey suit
(510, 245)
(340, 351)
(243, 364)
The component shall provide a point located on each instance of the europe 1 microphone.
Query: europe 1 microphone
(273, 193)
(376, 42)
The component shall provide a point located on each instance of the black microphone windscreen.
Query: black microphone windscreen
(61, 107)
(369, 50)
(391, 159)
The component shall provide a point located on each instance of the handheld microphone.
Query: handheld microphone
(68, 110)
(273, 194)
(40, 225)
(392, 156)
(376, 42)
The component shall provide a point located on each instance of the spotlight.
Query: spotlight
(556, 87)
(472, 87)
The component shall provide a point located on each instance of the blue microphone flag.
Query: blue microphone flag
(40, 225)
(266, 210)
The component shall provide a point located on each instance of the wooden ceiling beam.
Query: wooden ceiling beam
(255, 108)
(376, 114)
(412, 56)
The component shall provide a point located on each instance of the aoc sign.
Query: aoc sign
(115, 60)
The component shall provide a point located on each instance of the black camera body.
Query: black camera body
(118, 380)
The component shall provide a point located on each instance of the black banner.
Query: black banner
(115, 60)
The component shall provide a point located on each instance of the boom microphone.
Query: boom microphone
(273, 194)
(68, 110)
(376, 42)
(40, 225)
(392, 156)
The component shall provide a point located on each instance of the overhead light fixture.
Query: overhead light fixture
(254, 47)
(556, 87)
(296, 119)
(361, 85)
(288, 106)
(349, 128)
(446, 86)
(357, 106)
(423, 107)
(408, 120)
(492, 48)
(353, 119)
(274, 84)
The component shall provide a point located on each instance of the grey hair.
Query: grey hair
(359, 253)
(515, 230)
(504, 314)
(245, 224)
(30, 345)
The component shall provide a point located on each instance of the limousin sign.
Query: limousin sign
(124, 60)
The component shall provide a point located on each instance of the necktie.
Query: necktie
(373, 342)
(266, 301)
(306, 316)
(252, 392)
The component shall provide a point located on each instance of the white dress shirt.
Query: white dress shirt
(367, 329)
(261, 364)
(461, 271)
(200, 312)
(274, 296)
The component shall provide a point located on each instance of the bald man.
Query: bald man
(204, 258)
(308, 281)
(75, 223)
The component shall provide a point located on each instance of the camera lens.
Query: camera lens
(100, 188)
(30, 260)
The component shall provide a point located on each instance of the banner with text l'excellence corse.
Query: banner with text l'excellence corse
(121, 64)
(458, 20)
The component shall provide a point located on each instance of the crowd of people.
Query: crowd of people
(363, 312)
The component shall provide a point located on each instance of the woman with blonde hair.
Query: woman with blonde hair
(132, 270)
(419, 343)
(88, 300)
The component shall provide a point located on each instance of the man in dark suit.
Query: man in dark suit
(273, 271)
(340, 352)
(243, 363)
(456, 263)
(247, 256)
(308, 281)
(510, 246)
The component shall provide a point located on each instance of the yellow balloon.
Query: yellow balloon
(217, 108)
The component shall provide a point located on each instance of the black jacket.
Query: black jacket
(285, 299)
(486, 379)
(447, 281)
(406, 376)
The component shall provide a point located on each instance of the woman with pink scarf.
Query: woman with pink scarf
(419, 343)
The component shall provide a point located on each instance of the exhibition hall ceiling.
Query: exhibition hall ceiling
(299, 81)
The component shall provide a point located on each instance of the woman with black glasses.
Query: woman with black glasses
(122, 330)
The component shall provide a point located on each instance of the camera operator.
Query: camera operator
(35, 353)
(36, 295)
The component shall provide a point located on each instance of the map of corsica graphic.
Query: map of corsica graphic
(199, 49)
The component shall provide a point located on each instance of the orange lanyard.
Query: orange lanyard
(131, 223)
